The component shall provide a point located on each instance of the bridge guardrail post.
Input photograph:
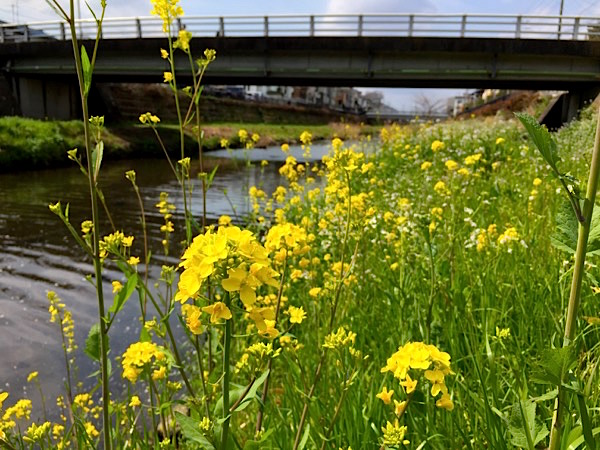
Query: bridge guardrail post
(2, 35)
(266, 31)
(518, 30)
(63, 34)
(138, 24)
(221, 27)
(360, 25)
(411, 25)
(312, 26)
(26, 33)
(179, 25)
(463, 26)
(576, 28)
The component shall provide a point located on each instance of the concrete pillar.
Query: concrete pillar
(47, 99)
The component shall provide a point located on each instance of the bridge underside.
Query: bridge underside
(341, 61)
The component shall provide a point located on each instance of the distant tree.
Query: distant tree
(424, 105)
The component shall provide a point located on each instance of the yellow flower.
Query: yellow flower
(224, 143)
(116, 287)
(440, 188)
(135, 401)
(314, 292)
(500, 140)
(184, 40)
(385, 396)
(400, 407)
(437, 145)
(409, 384)
(393, 434)
(3, 396)
(192, 316)
(445, 402)
(242, 281)
(285, 148)
(224, 220)
(217, 311)
(537, 182)
(163, 53)
(451, 165)
(32, 376)
(133, 261)
(426, 165)
(297, 315)
(168, 77)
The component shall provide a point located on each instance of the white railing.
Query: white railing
(391, 25)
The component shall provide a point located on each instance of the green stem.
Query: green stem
(96, 240)
(575, 294)
(226, 374)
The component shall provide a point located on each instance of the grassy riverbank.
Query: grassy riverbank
(31, 144)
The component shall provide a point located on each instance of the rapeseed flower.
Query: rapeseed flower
(297, 315)
(385, 396)
(437, 145)
(217, 311)
(393, 434)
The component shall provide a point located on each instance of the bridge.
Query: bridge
(369, 50)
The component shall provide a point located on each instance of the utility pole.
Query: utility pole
(560, 13)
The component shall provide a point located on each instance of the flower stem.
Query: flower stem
(575, 294)
(226, 374)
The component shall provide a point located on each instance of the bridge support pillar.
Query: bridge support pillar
(565, 107)
(47, 98)
(8, 101)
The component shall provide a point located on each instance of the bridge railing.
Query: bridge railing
(400, 25)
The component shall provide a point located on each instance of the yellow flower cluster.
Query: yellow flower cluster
(427, 358)
(232, 252)
(140, 355)
(339, 338)
(148, 118)
(437, 146)
(59, 314)
(393, 434)
(166, 208)
(36, 433)
(167, 10)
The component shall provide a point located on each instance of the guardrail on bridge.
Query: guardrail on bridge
(346, 25)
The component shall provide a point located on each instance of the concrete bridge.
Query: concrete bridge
(393, 50)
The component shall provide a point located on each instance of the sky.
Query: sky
(402, 99)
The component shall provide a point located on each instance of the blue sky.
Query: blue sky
(35, 10)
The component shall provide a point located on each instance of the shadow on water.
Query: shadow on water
(37, 254)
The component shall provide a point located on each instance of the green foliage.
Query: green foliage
(542, 139)
(526, 431)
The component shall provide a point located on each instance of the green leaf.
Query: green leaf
(239, 391)
(554, 364)
(252, 391)
(197, 97)
(565, 235)
(124, 294)
(92, 343)
(586, 422)
(87, 71)
(262, 444)
(97, 154)
(525, 431)
(580, 440)
(304, 439)
(542, 139)
(191, 430)
(567, 228)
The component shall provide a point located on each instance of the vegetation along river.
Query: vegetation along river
(38, 255)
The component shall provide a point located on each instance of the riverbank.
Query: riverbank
(27, 144)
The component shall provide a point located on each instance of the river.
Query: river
(38, 255)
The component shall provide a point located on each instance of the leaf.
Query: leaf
(262, 444)
(198, 93)
(580, 440)
(92, 343)
(191, 430)
(523, 426)
(304, 437)
(565, 235)
(586, 423)
(235, 394)
(554, 364)
(542, 139)
(124, 294)
(97, 154)
(252, 391)
(87, 71)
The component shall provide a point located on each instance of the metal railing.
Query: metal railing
(390, 25)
